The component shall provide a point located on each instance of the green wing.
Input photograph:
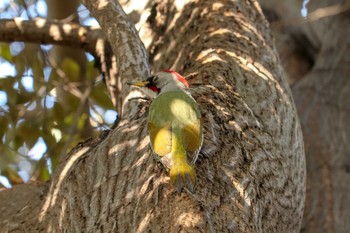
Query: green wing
(170, 111)
(160, 137)
(192, 136)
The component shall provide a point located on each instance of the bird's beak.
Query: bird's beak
(139, 84)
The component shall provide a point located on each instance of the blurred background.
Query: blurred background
(44, 111)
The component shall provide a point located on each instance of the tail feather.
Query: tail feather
(181, 173)
(183, 176)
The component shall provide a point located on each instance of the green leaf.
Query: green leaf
(91, 71)
(100, 97)
(68, 120)
(81, 121)
(71, 69)
(5, 52)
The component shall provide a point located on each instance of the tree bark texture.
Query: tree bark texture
(251, 174)
(322, 98)
(131, 56)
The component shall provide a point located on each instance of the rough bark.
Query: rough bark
(322, 99)
(252, 177)
(131, 56)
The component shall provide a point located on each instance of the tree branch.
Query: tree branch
(131, 55)
(56, 32)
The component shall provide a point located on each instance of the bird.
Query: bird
(175, 126)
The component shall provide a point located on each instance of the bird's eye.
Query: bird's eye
(152, 79)
(155, 78)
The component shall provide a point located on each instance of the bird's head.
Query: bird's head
(166, 80)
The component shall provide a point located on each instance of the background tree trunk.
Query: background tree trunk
(322, 97)
(252, 177)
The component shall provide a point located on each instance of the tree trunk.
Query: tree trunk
(322, 99)
(251, 174)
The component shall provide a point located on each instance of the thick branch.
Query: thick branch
(56, 32)
(131, 56)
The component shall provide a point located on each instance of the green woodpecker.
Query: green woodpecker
(175, 126)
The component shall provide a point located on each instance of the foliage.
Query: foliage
(43, 112)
